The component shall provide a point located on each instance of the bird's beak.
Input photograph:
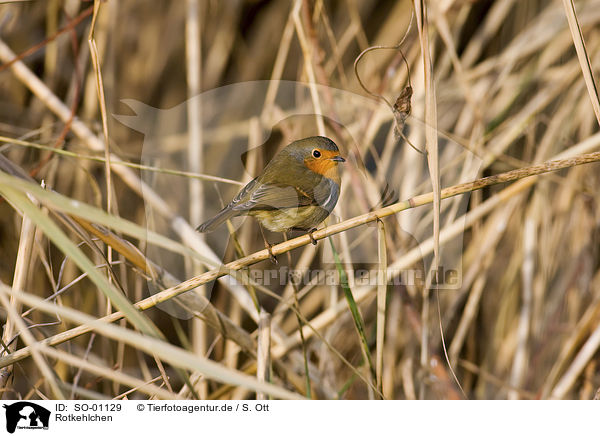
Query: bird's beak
(338, 159)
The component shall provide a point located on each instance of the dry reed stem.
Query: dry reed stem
(195, 158)
(170, 353)
(284, 247)
(583, 327)
(478, 270)
(381, 303)
(69, 27)
(179, 225)
(107, 155)
(308, 59)
(520, 97)
(523, 330)
(101, 371)
(589, 348)
(22, 271)
(582, 54)
(426, 247)
(29, 340)
(431, 145)
(133, 165)
(263, 353)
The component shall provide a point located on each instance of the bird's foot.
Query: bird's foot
(272, 257)
(268, 246)
(312, 238)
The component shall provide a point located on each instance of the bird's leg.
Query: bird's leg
(268, 245)
(312, 238)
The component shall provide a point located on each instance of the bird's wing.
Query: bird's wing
(234, 208)
(272, 196)
(326, 194)
(242, 196)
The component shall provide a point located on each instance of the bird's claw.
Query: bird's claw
(272, 257)
(312, 238)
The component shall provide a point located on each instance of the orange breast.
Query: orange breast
(324, 165)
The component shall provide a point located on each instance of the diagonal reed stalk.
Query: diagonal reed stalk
(534, 170)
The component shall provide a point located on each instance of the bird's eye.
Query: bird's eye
(316, 153)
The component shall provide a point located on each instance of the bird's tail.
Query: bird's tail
(217, 220)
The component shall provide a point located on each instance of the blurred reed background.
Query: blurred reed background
(510, 90)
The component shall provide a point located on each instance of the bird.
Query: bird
(297, 190)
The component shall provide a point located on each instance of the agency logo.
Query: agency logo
(26, 415)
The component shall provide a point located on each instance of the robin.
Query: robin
(297, 190)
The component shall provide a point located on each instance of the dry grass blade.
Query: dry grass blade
(308, 58)
(520, 360)
(381, 302)
(136, 166)
(357, 318)
(180, 225)
(167, 352)
(95, 215)
(582, 54)
(498, 88)
(29, 339)
(263, 354)
(431, 138)
(431, 145)
(102, 102)
(579, 362)
(364, 219)
(22, 270)
(54, 233)
(137, 384)
(195, 155)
